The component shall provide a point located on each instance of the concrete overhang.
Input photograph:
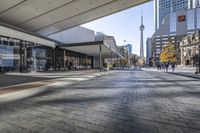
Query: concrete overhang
(92, 49)
(16, 34)
(47, 17)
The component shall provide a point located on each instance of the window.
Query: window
(164, 38)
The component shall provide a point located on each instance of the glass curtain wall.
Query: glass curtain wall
(43, 58)
(9, 55)
(23, 56)
(76, 60)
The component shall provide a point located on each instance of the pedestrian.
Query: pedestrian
(173, 67)
(163, 67)
(158, 66)
(166, 66)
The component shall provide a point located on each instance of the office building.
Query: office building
(129, 47)
(149, 50)
(162, 8)
(174, 27)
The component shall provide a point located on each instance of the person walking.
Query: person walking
(163, 66)
(158, 66)
(173, 67)
(166, 66)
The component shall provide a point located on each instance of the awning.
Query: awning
(16, 34)
(92, 49)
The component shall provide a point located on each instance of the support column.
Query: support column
(117, 62)
(92, 62)
(20, 54)
(199, 56)
(34, 58)
(85, 61)
(111, 60)
(64, 60)
(100, 57)
(54, 58)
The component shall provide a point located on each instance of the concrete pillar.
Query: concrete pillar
(34, 58)
(21, 57)
(117, 61)
(100, 57)
(85, 61)
(111, 58)
(54, 58)
(199, 54)
(64, 60)
(92, 62)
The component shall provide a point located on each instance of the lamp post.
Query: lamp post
(198, 56)
(199, 52)
(126, 58)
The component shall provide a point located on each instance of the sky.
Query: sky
(125, 25)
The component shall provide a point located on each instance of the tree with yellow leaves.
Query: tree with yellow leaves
(168, 53)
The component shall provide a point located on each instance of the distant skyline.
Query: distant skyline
(125, 25)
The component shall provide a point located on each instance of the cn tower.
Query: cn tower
(141, 39)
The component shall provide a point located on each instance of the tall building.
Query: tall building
(141, 38)
(149, 50)
(128, 47)
(174, 27)
(162, 8)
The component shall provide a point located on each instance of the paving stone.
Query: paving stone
(121, 102)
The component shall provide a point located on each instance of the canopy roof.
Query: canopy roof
(92, 49)
(47, 17)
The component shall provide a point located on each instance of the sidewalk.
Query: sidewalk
(24, 85)
(15, 78)
(182, 71)
(187, 74)
(13, 82)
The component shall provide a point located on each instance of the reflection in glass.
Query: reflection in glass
(198, 17)
(190, 19)
(173, 22)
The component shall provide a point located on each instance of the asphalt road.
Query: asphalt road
(121, 101)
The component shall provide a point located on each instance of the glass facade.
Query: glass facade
(18, 55)
(173, 22)
(165, 7)
(198, 17)
(190, 20)
(76, 60)
(9, 57)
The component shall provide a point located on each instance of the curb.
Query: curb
(185, 75)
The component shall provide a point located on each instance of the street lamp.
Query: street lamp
(199, 51)
(198, 56)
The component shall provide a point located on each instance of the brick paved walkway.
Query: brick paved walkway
(123, 101)
(10, 79)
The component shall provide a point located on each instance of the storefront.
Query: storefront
(75, 60)
(23, 56)
(18, 55)
(9, 58)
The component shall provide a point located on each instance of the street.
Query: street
(118, 102)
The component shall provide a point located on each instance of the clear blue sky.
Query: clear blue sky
(125, 25)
